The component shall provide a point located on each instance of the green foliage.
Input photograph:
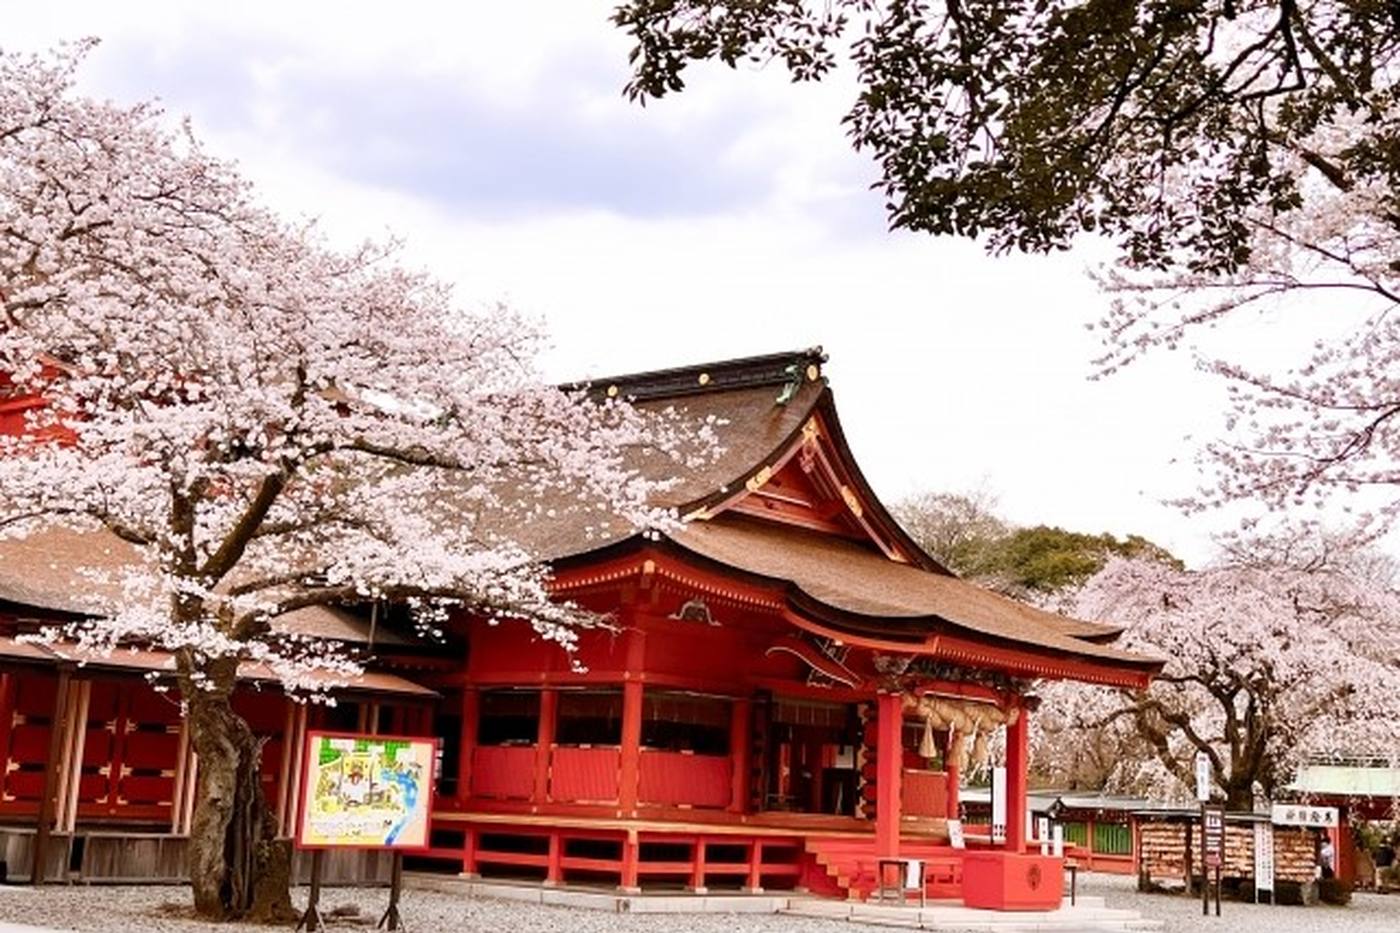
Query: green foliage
(1047, 559)
(1026, 122)
(963, 532)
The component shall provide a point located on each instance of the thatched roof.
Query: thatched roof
(758, 408)
(78, 572)
(853, 584)
(145, 661)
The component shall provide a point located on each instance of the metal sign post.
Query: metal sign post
(311, 921)
(1213, 842)
(1203, 795)
(391, 919)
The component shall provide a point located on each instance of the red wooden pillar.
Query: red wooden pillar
(471, 719)
(469, 852)
(755, 879)
(630, 767)
(58, 734)
(7, 718)
(889, 771)
(554, 867)
(544, 742)
(697, 866)
(630, 855)
(1017, 766)
(741, 714)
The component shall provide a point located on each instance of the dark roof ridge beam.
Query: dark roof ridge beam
(773, 369)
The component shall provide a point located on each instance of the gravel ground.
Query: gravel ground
(166, 910)
(1367, 913)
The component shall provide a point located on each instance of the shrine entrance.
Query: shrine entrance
(809, 756)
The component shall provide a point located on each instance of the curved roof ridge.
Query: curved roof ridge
(851, 581)
(769, 369)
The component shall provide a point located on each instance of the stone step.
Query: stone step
(1082, 917)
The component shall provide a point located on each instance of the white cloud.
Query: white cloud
(951, 368)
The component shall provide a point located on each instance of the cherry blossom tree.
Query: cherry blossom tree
(1269, 662)
(274, 423)
(1323, 423)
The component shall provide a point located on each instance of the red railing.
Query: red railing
(503, 771)
(561, 854)
(671, 778)
(584, 775)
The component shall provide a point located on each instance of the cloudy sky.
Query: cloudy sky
(727, 221)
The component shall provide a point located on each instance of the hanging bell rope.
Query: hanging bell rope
(957, 749)
(927, 749)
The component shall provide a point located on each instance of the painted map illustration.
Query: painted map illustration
(364, 791)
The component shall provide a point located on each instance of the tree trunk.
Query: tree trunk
(1239, 796)
(238, 867)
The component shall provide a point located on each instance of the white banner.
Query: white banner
(1263, 857)
(1297, 814)
(998, 804)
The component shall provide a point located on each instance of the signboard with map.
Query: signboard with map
(366, 792)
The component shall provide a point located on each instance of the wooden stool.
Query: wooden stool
(909, 876)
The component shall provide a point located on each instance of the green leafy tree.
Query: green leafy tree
(963, 531)
(1242, 154)
(1048, 559)
(1155, 121)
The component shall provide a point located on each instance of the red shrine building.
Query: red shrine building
(790, 688)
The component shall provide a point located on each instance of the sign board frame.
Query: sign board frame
(1213, 842)
(426, 800)
(1300, 814)
(1202, 777)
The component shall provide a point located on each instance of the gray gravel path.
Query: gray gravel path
(165, 910)
(1367, 913)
